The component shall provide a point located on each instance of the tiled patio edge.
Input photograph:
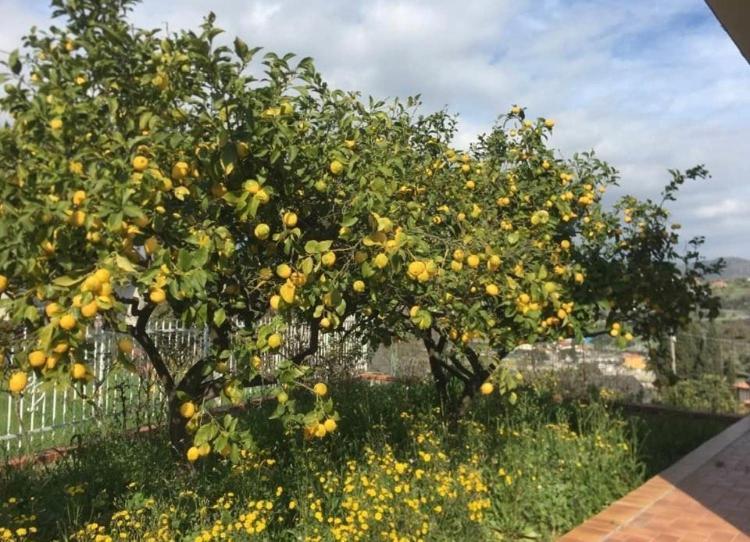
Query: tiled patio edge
(625, 510)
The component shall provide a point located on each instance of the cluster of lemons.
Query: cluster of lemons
(95, 294)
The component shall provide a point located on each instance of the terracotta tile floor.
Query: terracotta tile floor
(704, 497)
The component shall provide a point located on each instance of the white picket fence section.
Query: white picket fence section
(125, 399)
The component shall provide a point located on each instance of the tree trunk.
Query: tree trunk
(194, 389)
(470, 390)
(434, 354)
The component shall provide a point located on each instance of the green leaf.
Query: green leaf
(66, 281)
(144, 119)
(205, 433)
(307, 265)
(45, 336)
(242, 50)
(124, 264)
(228, 158)
(219, 317)
(14, 62)
(312, 247)
(349, 221)
(367, 270)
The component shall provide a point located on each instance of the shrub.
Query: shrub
(709, 393)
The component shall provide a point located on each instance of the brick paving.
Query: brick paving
(704, 497)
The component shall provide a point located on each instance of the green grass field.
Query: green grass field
(392, 468)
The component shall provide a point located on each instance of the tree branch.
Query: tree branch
(139, 333)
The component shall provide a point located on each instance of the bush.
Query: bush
(709, 393)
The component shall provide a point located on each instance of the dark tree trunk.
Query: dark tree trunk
(470, 389)
(435, 353)
(193, 388)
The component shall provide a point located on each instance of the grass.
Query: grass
(394, 470)
(70, 416)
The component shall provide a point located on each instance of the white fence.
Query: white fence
(46, 416)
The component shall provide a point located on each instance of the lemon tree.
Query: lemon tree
(144, 171)
(522, 250)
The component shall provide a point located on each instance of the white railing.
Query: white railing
(124, 398)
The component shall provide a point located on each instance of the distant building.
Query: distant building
(742, 392)
(633, 360)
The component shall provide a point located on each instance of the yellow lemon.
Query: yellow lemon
(416, 268)
(328, 259)
(78, 218)
(290, 219)
(151, 245)
(157, 296)
(102, 275)
(320, 389)
(140, 163)
(358, 286)
(262, 231)
(37, 358)
(56, 124)
(17, 382)
(330, 425)
(68, 322)
(275, 340)
(91, 284)
(336, 167)
(79, 371)
(380, 261)
(180, 170)
(79, 196)
(125, 346)
(274, 302)
(51, 361)
(48, 247)
(193, 453)
(486, 388)
(187, 409)
(242, 148)
(89, 310)
(51, 309)
(251, 186)
(287, 291)
(494, 262)
(283, 270)
(492, 290)
(473, 261)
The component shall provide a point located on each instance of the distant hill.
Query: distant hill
(735, 268)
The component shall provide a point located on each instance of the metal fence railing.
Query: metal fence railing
(125, 397)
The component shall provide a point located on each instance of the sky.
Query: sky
(648, 85)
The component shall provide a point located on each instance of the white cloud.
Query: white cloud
(648, 85)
